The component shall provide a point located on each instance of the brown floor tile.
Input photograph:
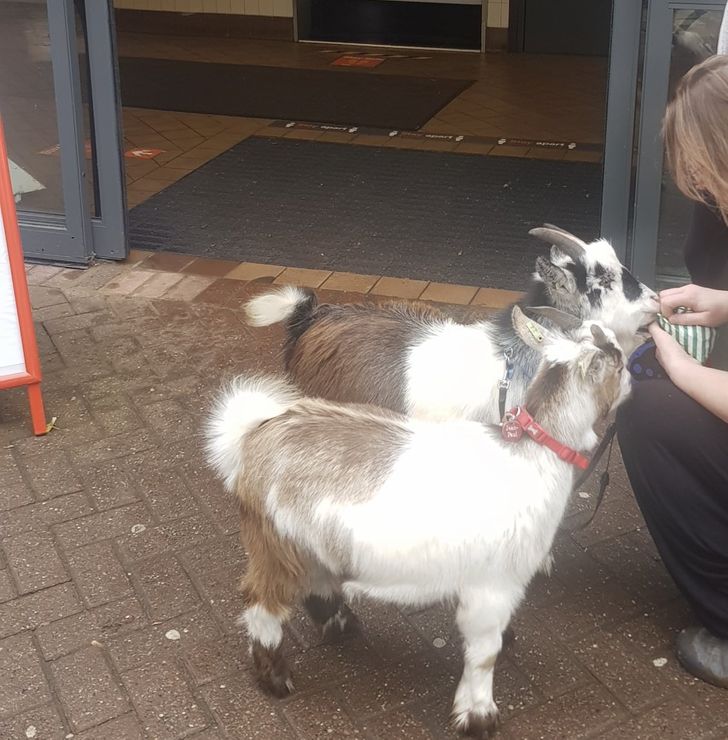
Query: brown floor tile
(137, 255)
(350, 282)
(445, 293)
(224, 292)
(582, 156)
(188, 288)
(303, 277)
(540, 152)
(209, 268)
(158, 285)
(167, 261)
(127, 282)
(399, 287)
(504, 150)
(495, 298)
(254, 271)
(470, 147)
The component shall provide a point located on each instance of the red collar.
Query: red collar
(518, 420)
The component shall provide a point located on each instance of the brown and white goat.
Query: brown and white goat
(414, 359)
(359, 501)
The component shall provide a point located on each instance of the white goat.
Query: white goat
(357, 500)
(414, 359)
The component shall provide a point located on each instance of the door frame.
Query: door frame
(76, 237)
(650, 165)
(620, 126)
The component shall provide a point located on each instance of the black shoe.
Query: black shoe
(704, 655)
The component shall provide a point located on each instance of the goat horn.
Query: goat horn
(562, 319)
(569, 244)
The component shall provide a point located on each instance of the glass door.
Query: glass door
(59, 102)
(680, 34)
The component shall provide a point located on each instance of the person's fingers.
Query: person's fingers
(674, 298)
(660, 336)
(692, 318)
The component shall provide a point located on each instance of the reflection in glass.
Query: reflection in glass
(694, 39)
(27, 104)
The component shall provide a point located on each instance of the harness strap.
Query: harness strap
(607, 441)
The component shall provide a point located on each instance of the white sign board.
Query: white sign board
(12, 360)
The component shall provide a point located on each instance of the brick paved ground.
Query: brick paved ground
(120, 557)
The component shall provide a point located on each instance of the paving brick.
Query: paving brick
(387, 630)
(67, 635)
(575, 714)
(166, 588)
(166, 494)
(320, 715)
(7, 589)
(33, 560)
(415, 676)
(169, 420)
(402, 725)
(15, 496)
(178, 535)
(76, 322)
(673, 720)
(126, 727)
(118, 445)
(22, 682)
(631, 677)
(165, 705)
(51, 474)
(9, 471)
(40, 607)
(634, 562)
(43, 722)
(98, 574)
(109, 485)
(244, 712)
(132, 649)
(44, 514)
(40, 297)
(103, 624)
(88, 691)
(101, 526)
(116, 414)
(546, 659)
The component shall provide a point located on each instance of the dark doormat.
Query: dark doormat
(428, 215)
(328, 96)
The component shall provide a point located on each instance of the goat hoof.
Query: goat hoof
(477, 724)
(272, 671)
(343, 623)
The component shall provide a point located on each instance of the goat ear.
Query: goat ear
(592, 364)
(562, 319)
(533, 334)
(600, 338)
(569, 244)
(558, 282)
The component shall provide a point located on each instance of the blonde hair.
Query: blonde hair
(696, 134)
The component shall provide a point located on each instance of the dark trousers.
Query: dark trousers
(676, 455)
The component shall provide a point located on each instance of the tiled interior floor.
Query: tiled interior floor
(527, 97)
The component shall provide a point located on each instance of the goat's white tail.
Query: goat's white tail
(243, 405)
(277, 306)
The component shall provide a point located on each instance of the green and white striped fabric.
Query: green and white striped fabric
(697, 341)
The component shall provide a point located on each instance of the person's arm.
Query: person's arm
(706, 386)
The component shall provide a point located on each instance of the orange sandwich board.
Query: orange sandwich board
(19, 362)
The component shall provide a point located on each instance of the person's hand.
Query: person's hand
(707, 307)
(673, 358)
